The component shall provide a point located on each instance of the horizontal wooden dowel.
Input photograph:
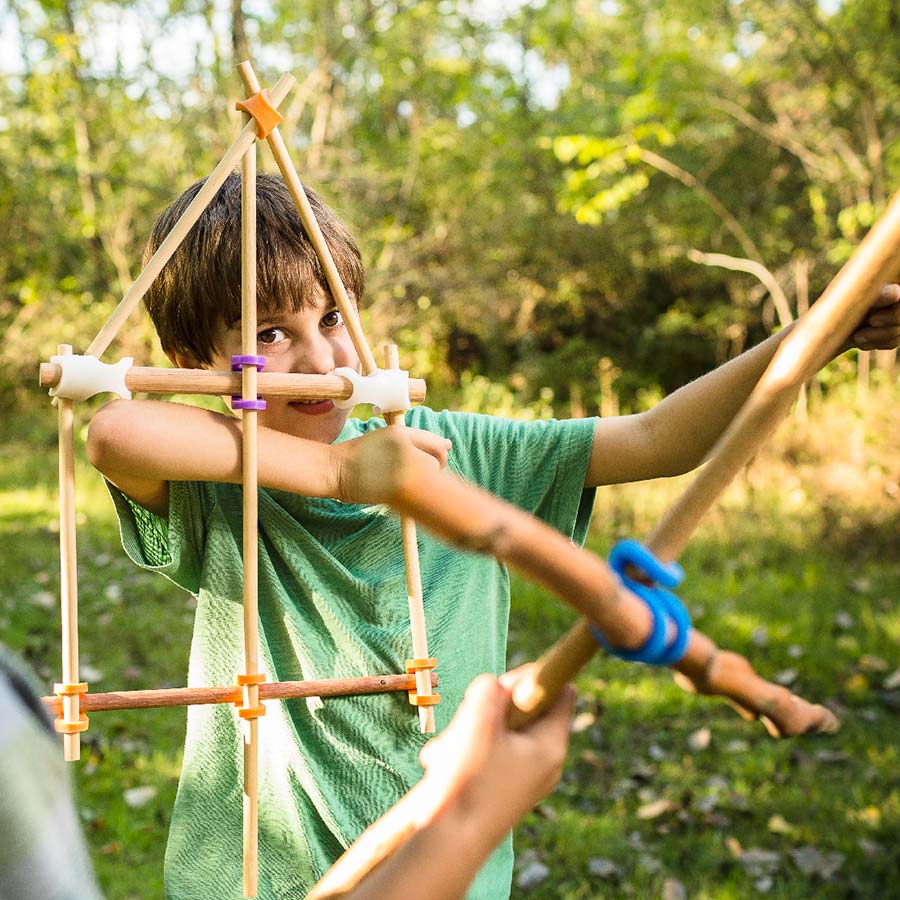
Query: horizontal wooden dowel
(215, 382)
(276, 690)
(173, 239)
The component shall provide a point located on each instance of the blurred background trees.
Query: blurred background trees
(562, 206)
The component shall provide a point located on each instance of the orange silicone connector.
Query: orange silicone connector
(251, 712)
(415, 665)
(70, 689)
(260, 107)
(423, 699)
(420, 665)
(62, 726)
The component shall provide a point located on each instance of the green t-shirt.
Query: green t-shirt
(333, 604)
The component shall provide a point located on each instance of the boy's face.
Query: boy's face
(313, 341)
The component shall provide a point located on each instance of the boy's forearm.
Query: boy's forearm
(161, 441)
(685, 425)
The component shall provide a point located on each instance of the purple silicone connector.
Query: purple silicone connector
(241, 403)
(238, 362)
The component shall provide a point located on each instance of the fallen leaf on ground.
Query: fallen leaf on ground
(699, 739)
(655, 809)
(600, 867)
(812, 861)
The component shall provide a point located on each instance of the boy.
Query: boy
(332, 588)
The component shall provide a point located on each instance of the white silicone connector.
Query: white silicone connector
(387, 389)
(84, 376)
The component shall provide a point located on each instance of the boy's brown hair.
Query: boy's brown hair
(199, 288)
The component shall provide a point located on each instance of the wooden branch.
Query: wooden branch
(813, 342)
(762, 273)
(214, 382)
(275, 690)
(212, 184)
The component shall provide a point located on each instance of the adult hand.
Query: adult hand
(880, 327)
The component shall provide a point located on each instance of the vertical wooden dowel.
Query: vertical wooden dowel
(68, 566)
(250, 520)
(413, 578)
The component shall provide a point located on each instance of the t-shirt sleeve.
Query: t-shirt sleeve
(172, 546)
(538, 466)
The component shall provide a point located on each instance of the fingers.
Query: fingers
(880, 329)
(470, 734)
(890, 293)
(434, 445)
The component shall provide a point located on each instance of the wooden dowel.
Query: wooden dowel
(413, 576)
(142, 283)
(68, 566)
(250, 488)
(214, 382)
(275, 690)
(345, 306)
(813, 342)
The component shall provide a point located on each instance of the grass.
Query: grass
(665, 794)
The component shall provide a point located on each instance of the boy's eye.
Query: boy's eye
(332, 319)
(270, 336)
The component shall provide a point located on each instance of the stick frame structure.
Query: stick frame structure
(72, 697)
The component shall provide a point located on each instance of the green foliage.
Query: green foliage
(519, 179)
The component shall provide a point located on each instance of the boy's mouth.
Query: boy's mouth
(312, 407)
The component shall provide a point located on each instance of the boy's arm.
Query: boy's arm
(675, 436)
(142, 445)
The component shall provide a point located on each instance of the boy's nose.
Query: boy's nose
(316, 357)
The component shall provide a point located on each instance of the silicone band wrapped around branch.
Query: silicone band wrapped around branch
(386, 389)
(85, 376)
(671, 630)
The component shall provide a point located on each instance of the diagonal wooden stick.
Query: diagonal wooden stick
(142, 283)
(288, 171)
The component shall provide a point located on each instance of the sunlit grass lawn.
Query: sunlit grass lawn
(665, 794)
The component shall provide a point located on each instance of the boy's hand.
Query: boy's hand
(368, 467)
(493, 773)
(880, 327)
